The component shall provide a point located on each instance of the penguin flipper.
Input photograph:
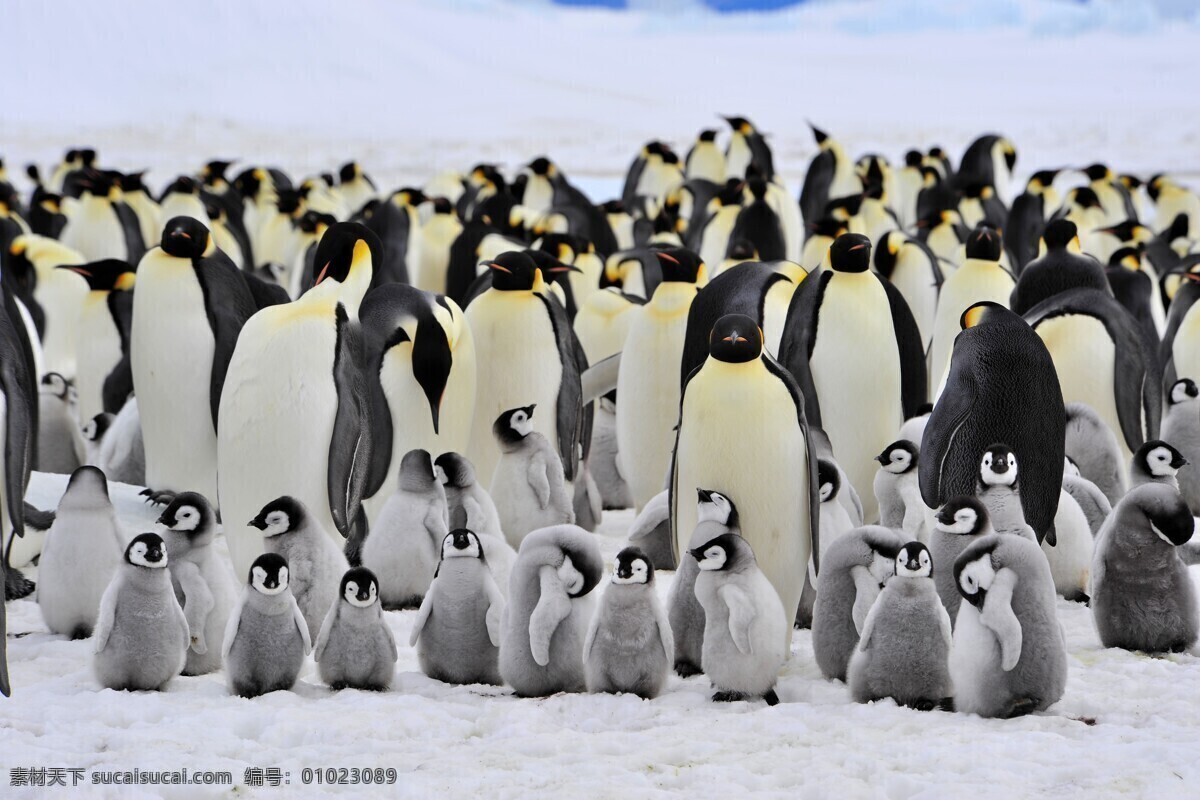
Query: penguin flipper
(494, 617)
(553, 606)
(800, 336)
(5, 686)
(302, 626)
(228, 303)
(998, 616)
(538, 479)
(19, 440)
(950, 413)
(569, 407)
(665, 636)
(593, 629)
(914, 385)
(866, 590)
(231, 627)
(741, 616)
(105, 617)
(868, 628)
(814, 194)
(349, 447)
(323, 634)
(422, 618)
(200, 602)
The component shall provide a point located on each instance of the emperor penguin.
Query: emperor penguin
(745, 623)
(835, 522)
(647, 383)
(548, 612)
(856, 567)
(742, 428)
(182, 198)
(80, 555)
(99, 223)
(980, 278)
(60, 292)
(904, 650)
(1010, 654)
(403, 544)
(103, 380)
(60, 448)
(747, 146)
(1069, 548)
(712, 239)
(855, 351)
(1092, 447)
(1087, 496)
(959, 522)
(311, 444)
(1114, 198)
(1001, 387)
(526, 353)
(137, 196)
(437, 235)
(759, 224)
(267, 638)
(355, 186)
(1156, 462)
(705, 160)
(1181, 426)
(458, 628)
(202, 578)
(716, 515)
(1102, 360)
(141, 633)
(189, 308)
(987, 161)
(897, 491)
(830, 175)
(471, 507)
(914, 270)
(999, 490)
(315, 564)
(629, 646)
(419, 353)
(1062, 267)
(528, 481)
(1027, 217)
(355, 648)
(1142, 597)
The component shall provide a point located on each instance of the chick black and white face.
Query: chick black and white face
(631, 567)
(828, 481)
(713, 558)
(89, 430)
(147, 550)
(186, 519)
(461, 544)
(268, 581)
(1163, 461)
(1069, 468)
(998, 467)
(521, 422)
(976, 578)
(277, 522)
(914, 561)
(882, 567)
(712, 507)
(1183, 390)
(572, 579)
(361, 594)
(898, 458)
(964, 522)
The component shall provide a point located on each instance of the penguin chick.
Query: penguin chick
(651, 533)
(59, 446)
(716, 514)
(1142, 596)
(141, 633)
(528, 485)
(457, 632)
(1068, 549)
(1087, 495)
(114, 444)
(201, 577)
(999, 489)
(1156, 462)
(81, 552)
(904, 650)
(1009, 656)
(852, 573)
(403, 544)
(628, 646)
(314, 563)
(833, 522)
(745, 625)
(355, 648)
(267, 638)
(549, 608)
(471, 507)
(960, 521)
(898, 491)
(1181, 427)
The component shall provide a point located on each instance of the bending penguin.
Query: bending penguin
(355, 648)
(960, 522)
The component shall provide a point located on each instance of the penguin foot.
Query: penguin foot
(1019, 708)
(158, 498)
(924, 704)
(407, 604)
(16, 585)
(686, 669)
(1180, 647)
(771, 698)
(728, 697)
(946, 704)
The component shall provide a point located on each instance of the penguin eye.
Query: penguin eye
(351, 587)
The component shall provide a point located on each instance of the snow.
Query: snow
(463, 741)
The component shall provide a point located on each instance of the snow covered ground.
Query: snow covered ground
(482, 741)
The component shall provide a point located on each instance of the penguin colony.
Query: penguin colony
(899, 409)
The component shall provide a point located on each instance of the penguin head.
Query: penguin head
(984, 243)
(974, 572)
(1129, 231)
(1166, 512)
(740, 125)
(1159, 459)
(735, 339)
(513, 271)
(181, 185)
(189, 512)
(998, 467)
(963, 515)
(562, 246)
(360, 587)
(281, 515)
(514, 425)
(187, 237)
(983, 313)
(680, 265)
(914, 561)
(1097, 172)
(707, 135)
(408, 197)
(1182, 391)
(726, 552)
(573, 580)
(462, 543)
(105, 276)
(94, 429)
(828, 480)
(632, 566)
(147, 550)
(819, 136)
(456, 469)
(269, 574)
(712, 506)
(213, 173)
(53, 383)
(1083, 198)
(543, 167)
(1007, 152)
(349, 171)
(898, 457)
(1125, 258)
(1070, 468)
(346, 248)
(87, 487)
(1059, 234)
(850, 252)
(416, 471)
(731, 194)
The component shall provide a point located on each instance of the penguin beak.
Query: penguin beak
(977, 598)
(879, 458)
(498, 268)
(432, 362)
(944, 516)
(696, 554)
(564, 268)
(162, 520)
(703, 495)
(258, 522)
(624, 572)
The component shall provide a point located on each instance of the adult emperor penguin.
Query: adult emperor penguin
(61, 294)
(979, 278)
(705, 160)
(99, 224)
(742, 427)
(1001, 387)
(647, 383)
(855, 351)
(438, 233)
(830, 175)
(309, 444)
(525, 353)
(1010, 654)
(1142, 597)
(355, 648)
(913, 269)
(1102, 360)
(747, 146)
(1028, 215)
(419, 354)
(988, 161)
(1062, 267)
(103, 380)
(188, 311)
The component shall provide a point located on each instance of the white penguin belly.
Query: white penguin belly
(855, 366)
(739, 435)
(61, 295)
(974, 662)
(715, 239)
(1085, 359)
(915, 282)
(93, 230)
(77, 563)
(1186, 348)
(172, 350)
(1071, 557)
(99, 350)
